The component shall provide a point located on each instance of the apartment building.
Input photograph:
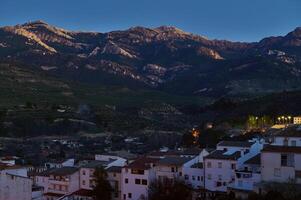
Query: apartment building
(281, 164)
(221, 164)
(246, 177)
(14, 183)
(58, 182)
(137, 177)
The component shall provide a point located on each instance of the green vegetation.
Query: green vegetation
(102, 189)
(21, 85)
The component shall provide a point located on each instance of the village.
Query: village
(236, 167)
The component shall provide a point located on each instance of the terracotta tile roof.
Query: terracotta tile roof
(83, 193)
(280, 149)
(51, 194)
(142, 163)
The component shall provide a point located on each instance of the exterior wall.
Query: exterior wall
(18, 172)
(14, 187)
(136, 190)
(42, 181)
(86, 178)
(63, 185)
(272, 170)
(165, 172)
(215, 174)
(246, 180)
(194, 177)
(287, 141)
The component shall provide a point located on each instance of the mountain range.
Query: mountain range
(164, 59)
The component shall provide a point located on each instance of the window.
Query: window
(199, 178)
(186, 177)
(277, 172)
(297, 174)
(126, 180)
(287, 160)
(124, 196)
(219, 164)
(137, 181)
(114, 174)
(294, 143)
(193, 178)
(137, 171)
(285, 142)
(209, 176)
(84, 172)
(180, 173)
(218, 184)
(233, 166)
(283, 159)
(129, 195)
(84, 182)
(144, 182)
(172, 169)
(208, 164)
(220, 177)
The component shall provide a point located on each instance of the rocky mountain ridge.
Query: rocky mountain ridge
(164, 58)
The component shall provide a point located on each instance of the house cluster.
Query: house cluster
(240, 167)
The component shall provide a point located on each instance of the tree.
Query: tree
(102, 189)
(167, 190)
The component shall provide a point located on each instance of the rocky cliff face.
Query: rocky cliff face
(164, 58)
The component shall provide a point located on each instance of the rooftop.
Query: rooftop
(142, 163)
(220, 154)
(292, 131)
(97, 163)
(64, 171)
(256, 160)
(51, 194)
(235, 143)
(173, 161)
(280, 149)
(114, 169)
(83, 192)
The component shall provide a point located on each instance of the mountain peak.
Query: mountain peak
(171, 29)
(296, 32)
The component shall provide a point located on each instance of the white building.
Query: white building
(169, 169)
(136, 178)
(221, 164)
(281, 164)
(246, 177)
(58, 182)
(14, 183)
(290, 136)
(297, 120)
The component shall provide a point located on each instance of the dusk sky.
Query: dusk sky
(237, 20)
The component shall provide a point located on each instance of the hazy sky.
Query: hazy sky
(239, 20)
